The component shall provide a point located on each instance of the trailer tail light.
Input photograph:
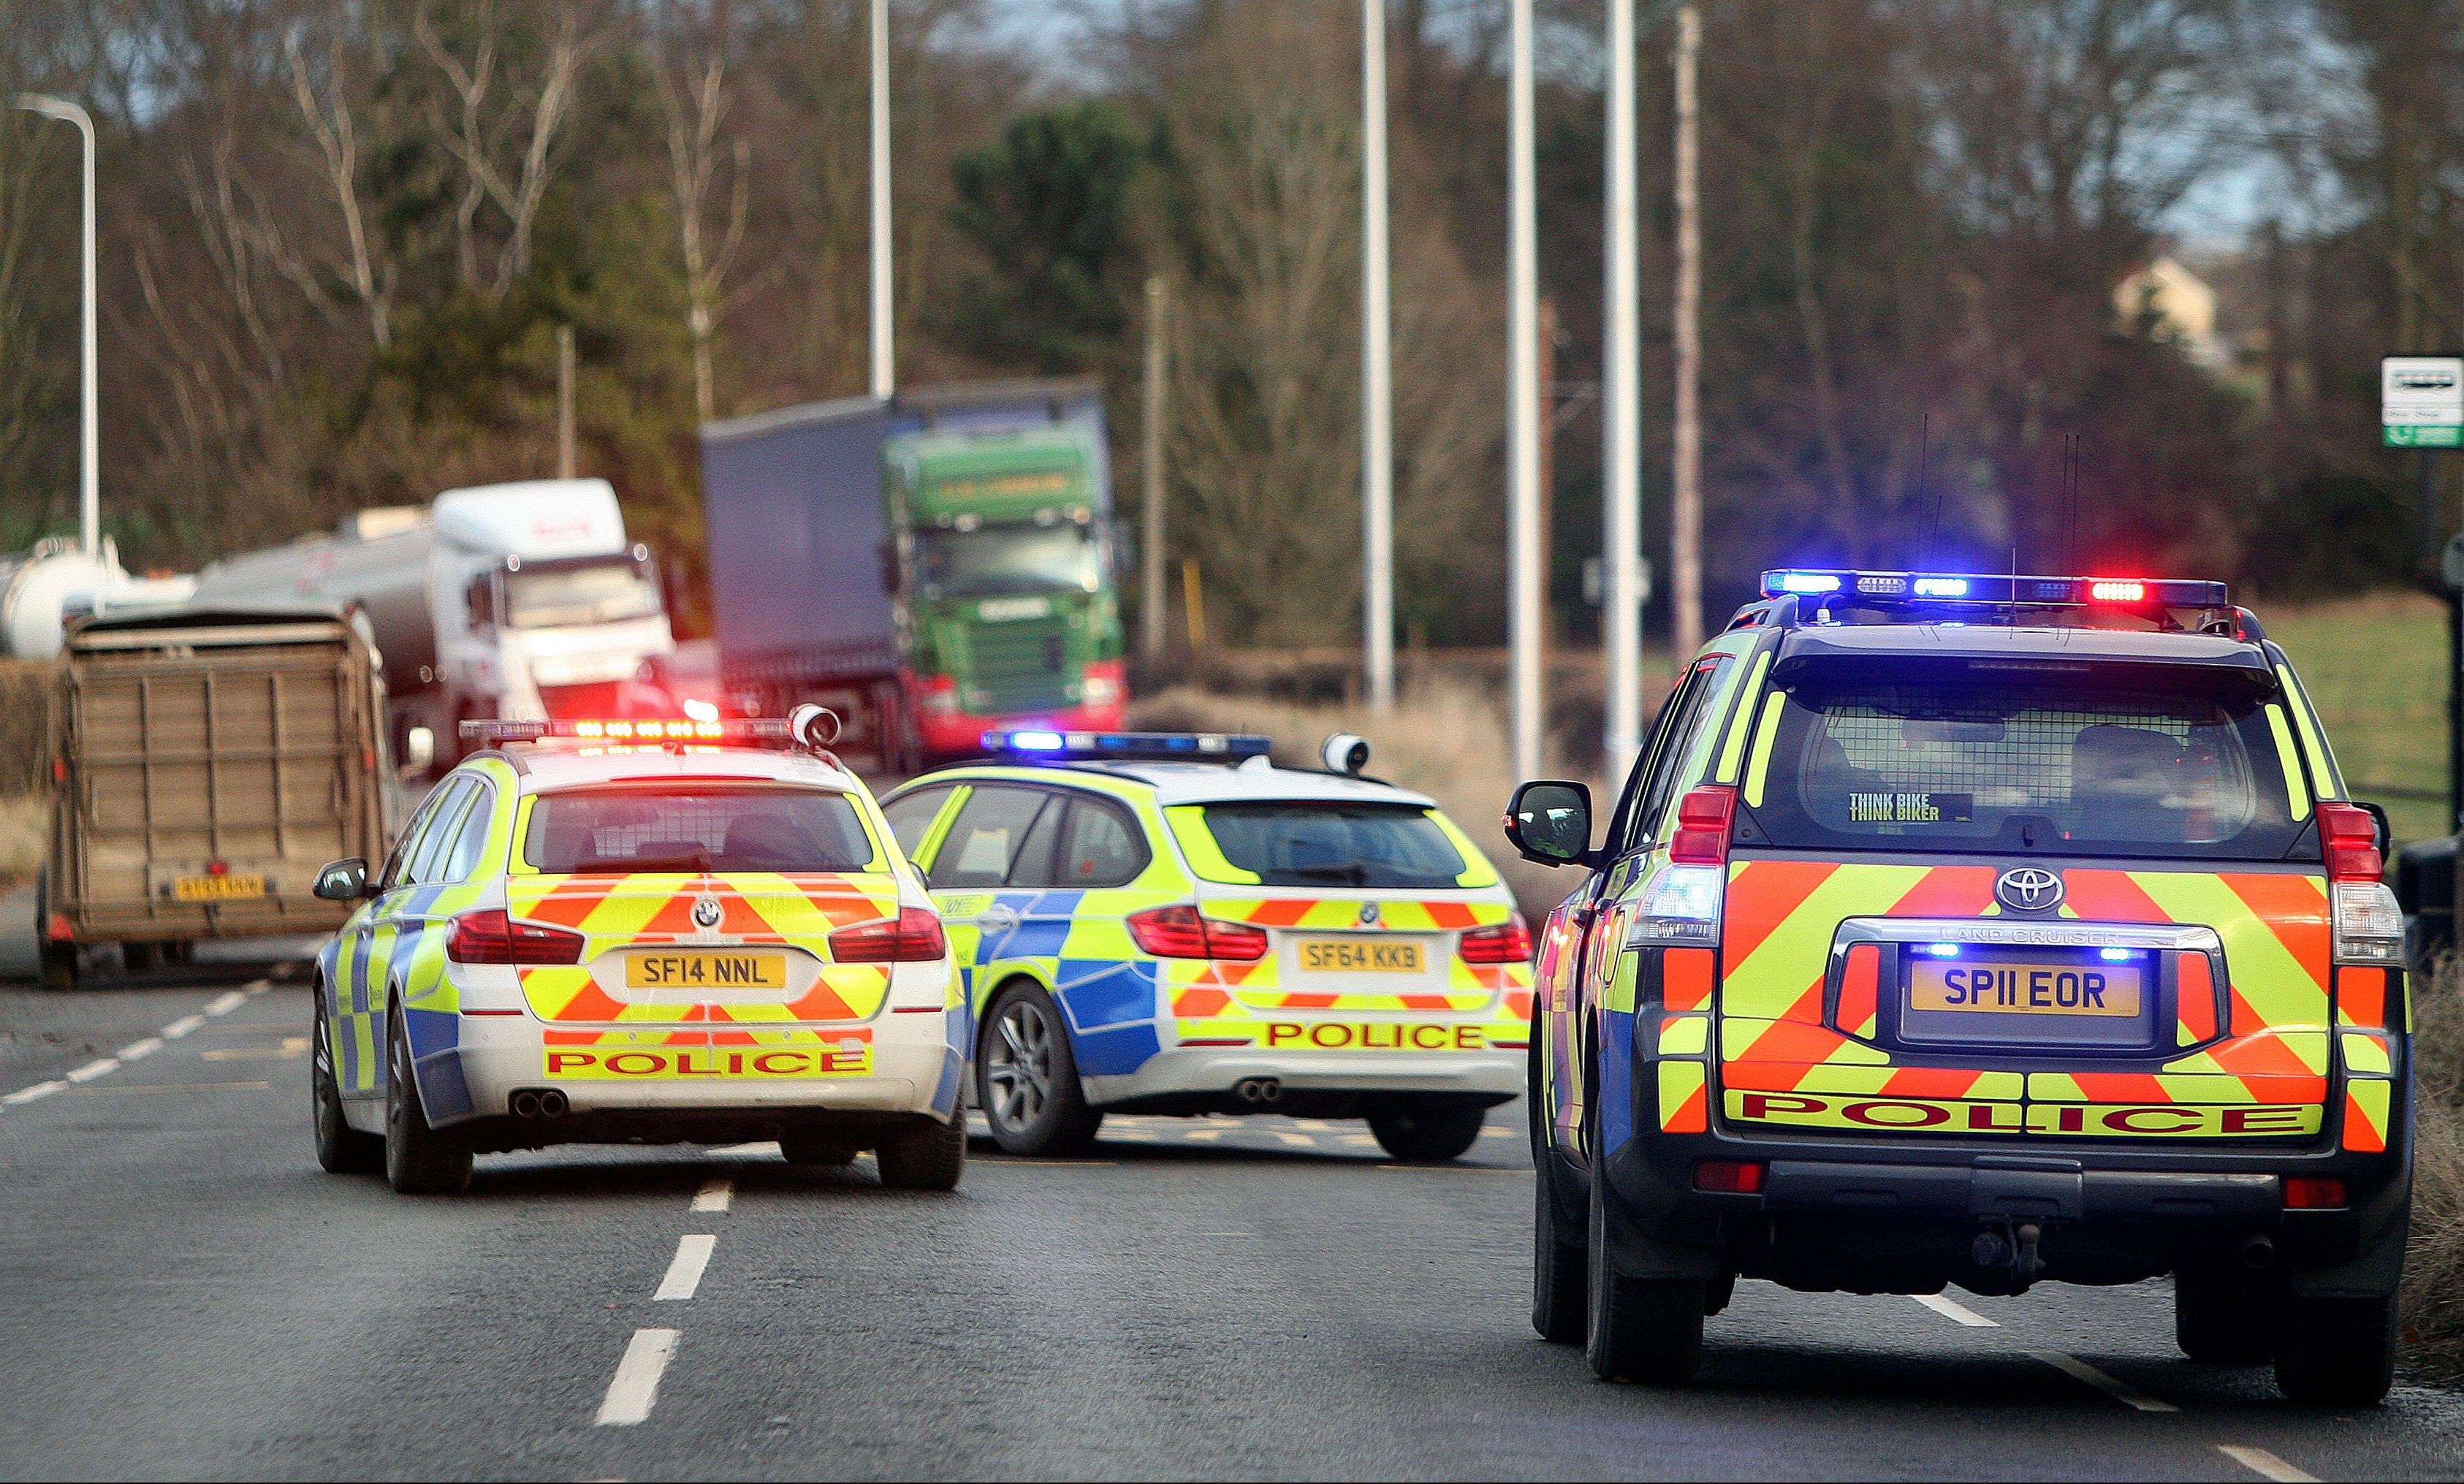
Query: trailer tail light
(489, 936)
(1704, 819)
(1178, 931)
(1510, 942)
(912, 937)
(58, 929)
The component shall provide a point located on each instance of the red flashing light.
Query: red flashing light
(913, 936)
(1178, 931)
(489, 936)
(2117, 590)
(1733, 1177)
(1510, 942)
(2313, 1192)
(2352, 840)
(1704, 817)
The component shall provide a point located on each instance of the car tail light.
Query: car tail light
(2313, 1192)
(1510, 942)
(913, 937)
(1178, 931)
(1730, 1177)
(490, 937)
(1703, 819)
(2352, 839)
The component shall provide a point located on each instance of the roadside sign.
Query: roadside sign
(2421, 401)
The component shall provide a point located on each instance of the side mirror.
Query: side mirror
(418, 749)
(1550, 822)
(343, 881)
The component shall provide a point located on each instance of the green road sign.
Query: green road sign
(2424, 436)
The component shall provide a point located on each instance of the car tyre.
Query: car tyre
(1558, 1264)
(2335, 1352)
(418, 1160)
(2223, 1319)
(1026, 1078)
(1427, 1133)
(341, 1148)
(930, 1158)
(1636, 1328)
(810, 1154)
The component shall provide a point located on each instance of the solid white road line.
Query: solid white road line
(714, 1195)
(94, 1069)
(2266, 1465)
(29, 1094)
(684, 1269)
(2072, 1364)
(636, 1386)
(139, 1051)
(1956, 1313)
(225, 1004)
(181, 1027)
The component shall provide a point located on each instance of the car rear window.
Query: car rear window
(1301, 843)
(2084, 761)
(698, 828)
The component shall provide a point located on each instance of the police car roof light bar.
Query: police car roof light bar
(1036, 744)
(1992, 589)
(758, 731)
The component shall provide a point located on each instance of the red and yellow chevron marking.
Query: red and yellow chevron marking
(614, 912)
(2365, 1114)
(1684, 1101)
(1437, 916)
(2360, 999)
(1685, 978)
(2194, 1002)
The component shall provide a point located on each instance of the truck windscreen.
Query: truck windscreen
(596, 592)
(992, 560)
(2089, 762)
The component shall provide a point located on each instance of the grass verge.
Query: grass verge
(2433, 1269)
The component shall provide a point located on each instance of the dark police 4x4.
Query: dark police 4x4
(1977, 930)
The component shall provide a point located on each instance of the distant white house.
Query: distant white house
(2184, 308)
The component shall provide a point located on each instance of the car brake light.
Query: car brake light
(2313, 1192)
(913, 937)
(490, 937)
(1510, 942)
(2107, 590)
(1703, 819)
(1730, 1177)
(1178, 931)
(2352, 839)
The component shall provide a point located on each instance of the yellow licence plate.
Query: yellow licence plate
(2027, 988)
(705, 970)
(218, 888)
(1362, 955)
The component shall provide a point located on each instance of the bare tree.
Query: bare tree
(330, 125)
(695, 106)
(497, 113)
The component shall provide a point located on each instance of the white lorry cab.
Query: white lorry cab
(512, 602)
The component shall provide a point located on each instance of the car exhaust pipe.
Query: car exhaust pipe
(552, 1105)
(2258, 1253)
(1260, 1092)
(526, 1103)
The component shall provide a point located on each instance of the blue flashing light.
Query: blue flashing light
(2115, 955)
(1037, 741)
(1941, 588)
(1041, 744)
(1809, 582)
(1942, 949)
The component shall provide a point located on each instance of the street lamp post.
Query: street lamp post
(884, 317)
(1376, 371)
(89, 456)
(1524, 538)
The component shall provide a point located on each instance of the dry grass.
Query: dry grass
(25, 836)
(1445, 738)
(2433, 1273)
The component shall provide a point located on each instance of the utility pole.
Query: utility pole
(1622, 419)
(1151, 616)
(1523, 414)
(1376, 372)
(884, 380)
(89, 434)
(1685, 514)
(564, 401)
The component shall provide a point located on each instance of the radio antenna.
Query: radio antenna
(1925, 445)
(2070, 498)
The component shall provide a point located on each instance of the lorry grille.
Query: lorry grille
(1019, 667)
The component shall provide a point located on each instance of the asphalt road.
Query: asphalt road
(186, 1294)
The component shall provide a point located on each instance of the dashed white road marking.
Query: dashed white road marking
(225, 1004)
(2266, 1465)
(636, 1388)
(181, 1027)
(29, 1094)
(714, 1195)
(139, 1051)
(99, 1068)
(1956, 1313)
(684, 1269)
(2128, 1396)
